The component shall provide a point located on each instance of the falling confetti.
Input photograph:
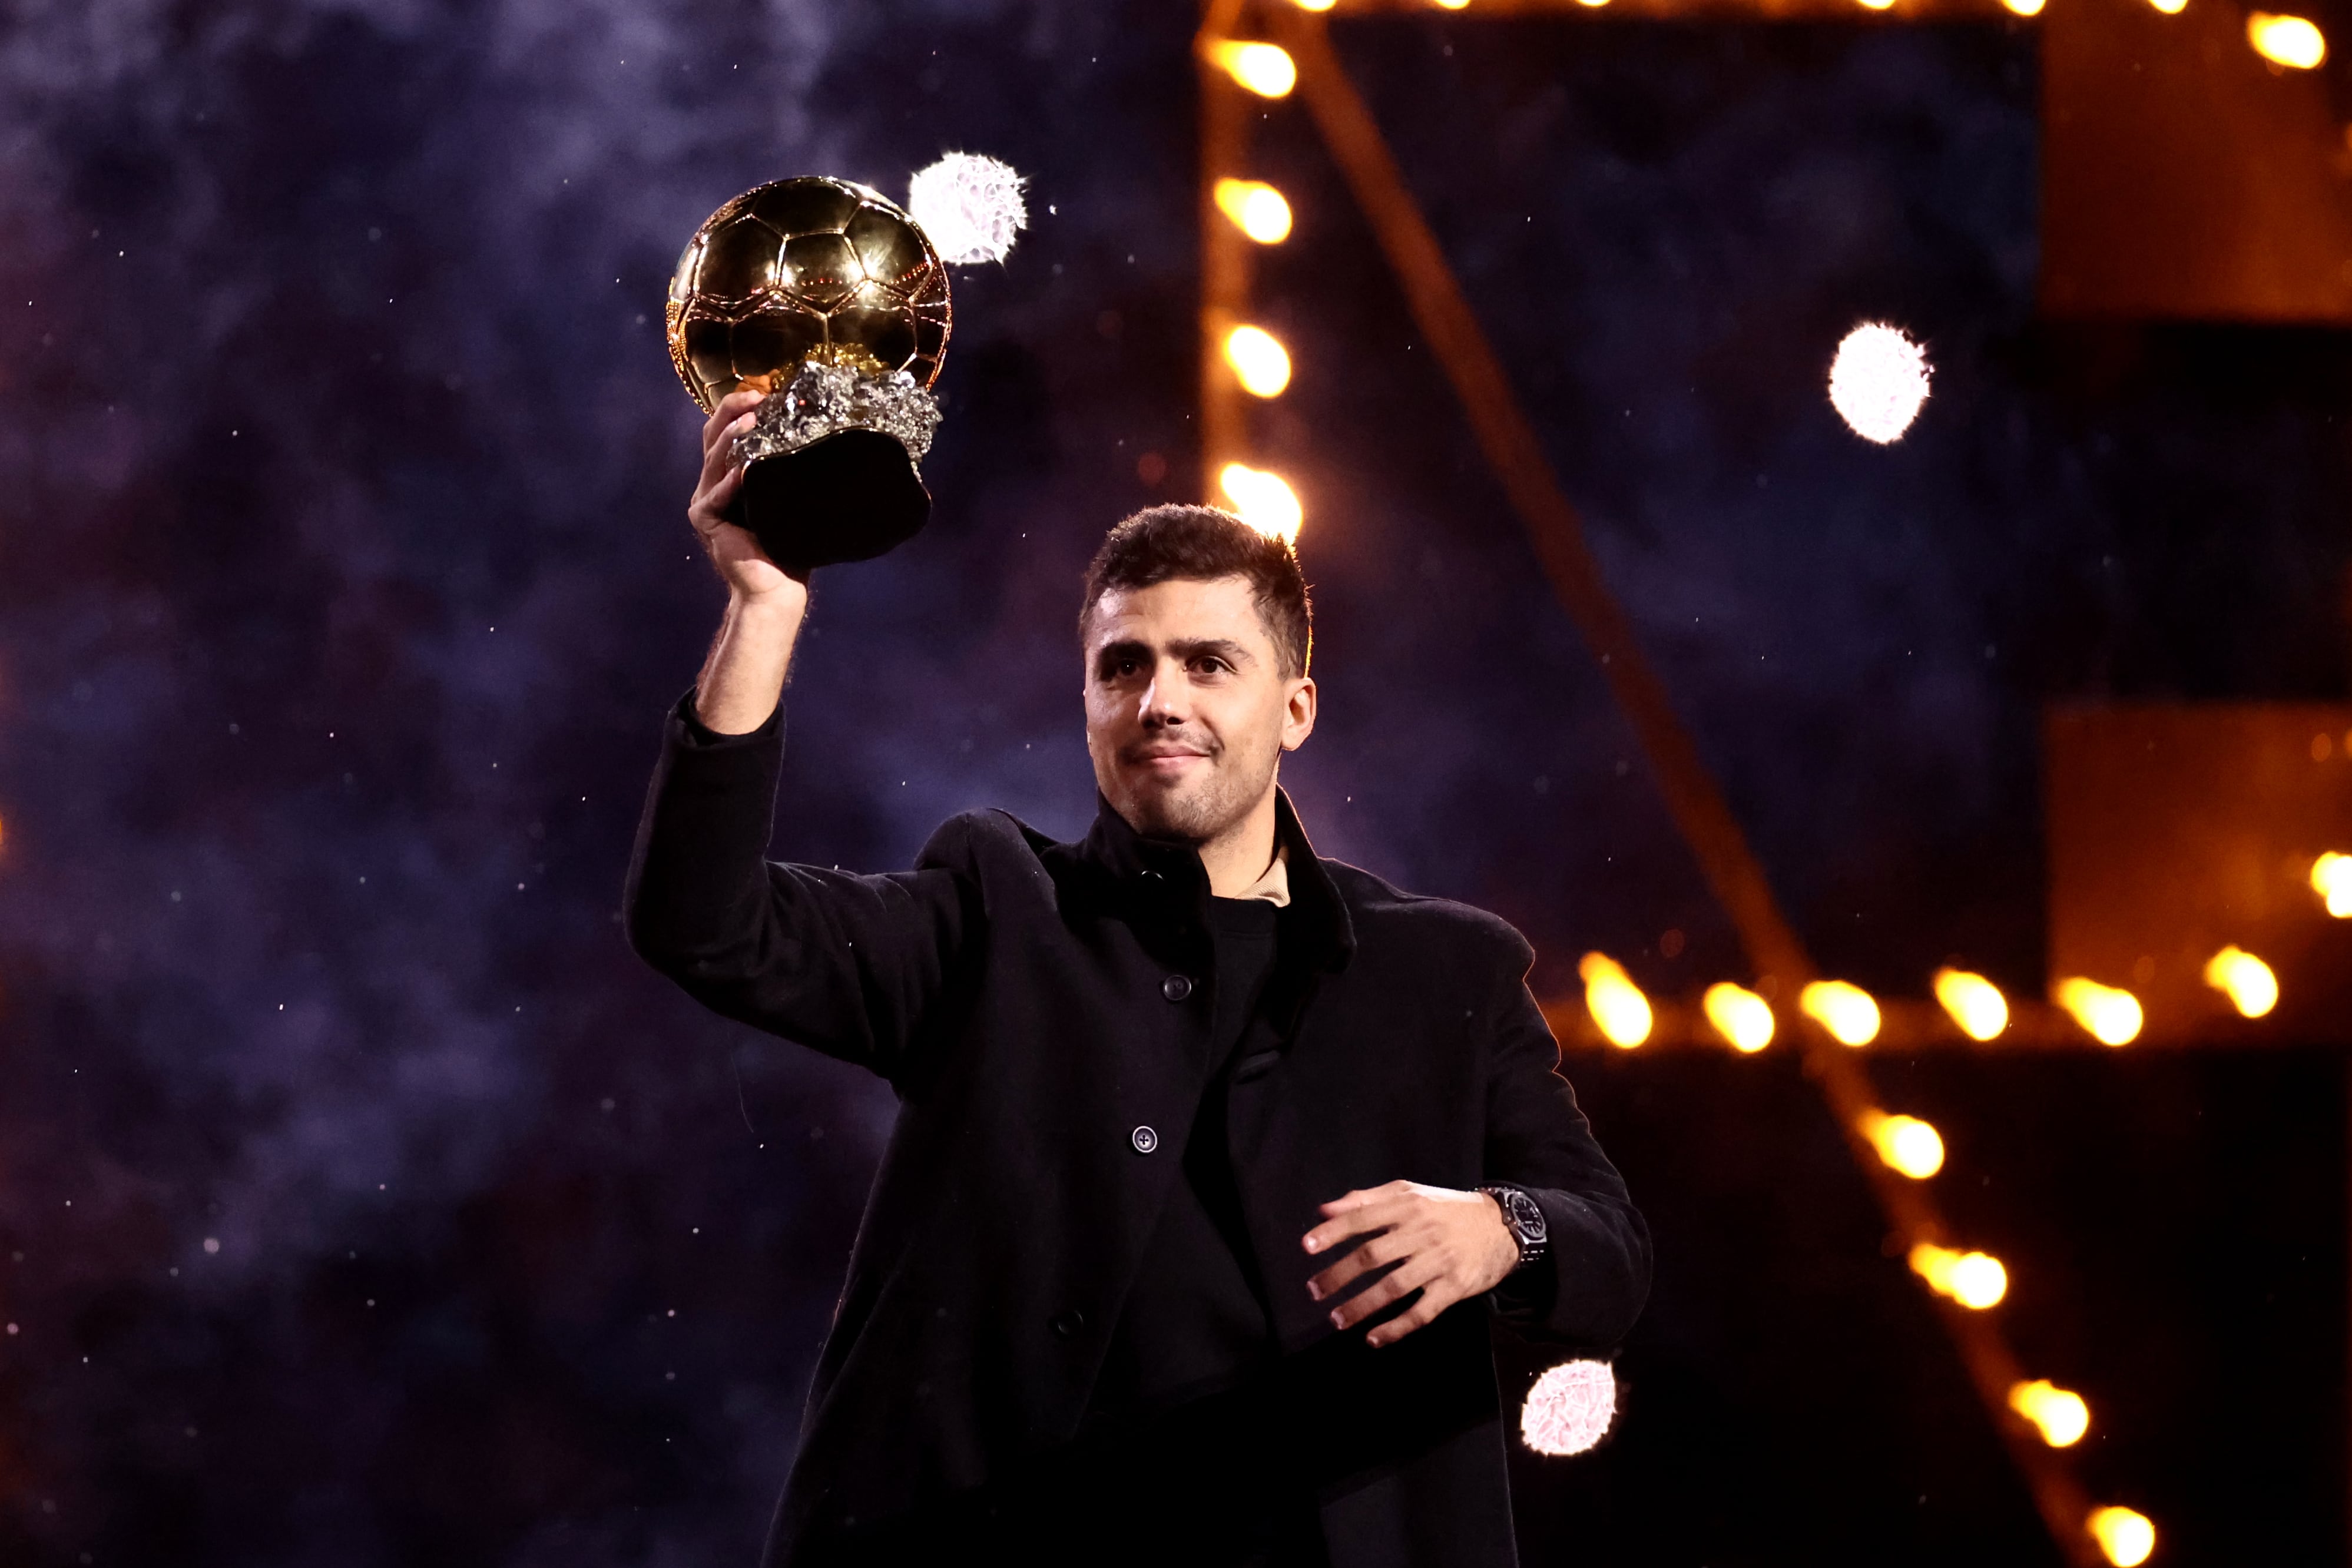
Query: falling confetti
(1878, 382)
(1569, 1407)
(969, 206)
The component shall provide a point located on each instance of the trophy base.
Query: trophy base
(852, 495)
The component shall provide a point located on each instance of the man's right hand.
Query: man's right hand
(734, 554)
(743, 679)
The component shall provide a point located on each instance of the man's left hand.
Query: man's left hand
(1448, 1245)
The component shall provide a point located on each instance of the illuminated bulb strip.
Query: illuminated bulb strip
(2111, 1016)
(2125, 1536)
(1904, 1143)
(1739, 1015)
(1255, 208)
(1265, 70)
(1974, 1003)
(2061, 1415)
(1263, 500)
(1260, 363)
(1845, 1010)
(2289, 41)
(2245, 979)
(1975, 1280)
(2331, 878)
(2023, 7)
(1314, 4)
(1617, 1005)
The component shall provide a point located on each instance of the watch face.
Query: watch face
(1527, 1218)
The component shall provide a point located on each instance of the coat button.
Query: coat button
(1175, 988)
(1144, 1139)
(1066, 1325)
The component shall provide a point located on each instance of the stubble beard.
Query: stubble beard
(1201, 812)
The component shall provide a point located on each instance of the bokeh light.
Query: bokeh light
(1975, 1280)
(1265, 70)
(2023, 7)
(2125, 1536)
(2061, 1415)
(1263, 500)
(2111, 1015)
(2245, 979)
(2331, 878)
(1569, 1407)
(1878, 382)
(1739, 1015)
(2170, 7)
(1617, 1005)
(1905, 1144)
(2290, 41)
(1974, 1003)
(1260, 363)
(1257, 208)
(1844, 1010)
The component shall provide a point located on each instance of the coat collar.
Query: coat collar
(1168, 875)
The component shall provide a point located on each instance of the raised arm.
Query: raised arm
(850, 964)
(743, 678)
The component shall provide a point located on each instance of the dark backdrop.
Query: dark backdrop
(365, 1204)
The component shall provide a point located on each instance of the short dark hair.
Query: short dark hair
(1161, 544)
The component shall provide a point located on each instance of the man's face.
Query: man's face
(1187, 711)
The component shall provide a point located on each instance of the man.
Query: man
(1213, 1158)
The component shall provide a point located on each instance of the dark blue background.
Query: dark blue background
(365, 1203)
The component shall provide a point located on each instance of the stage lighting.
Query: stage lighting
(2331, 878)
(1975, 1280)
(1263, 500)
(1616, 1003)
(2023, 7)
(1265, 70)
(1255, 208)
(2245, 979)
(1974, 1003)
(1260, 363)
(2125, 1537)
(1878, 380)
(1739, 1015)
(1569, 1409)
(2111, 1016)
(1453, 5)
(1906, 1143)
(1314, 4)
(2170, 7)
(2062, 1415)
(2288, 41)
(1845, 1010)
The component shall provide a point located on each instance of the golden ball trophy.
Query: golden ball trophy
(833, 300)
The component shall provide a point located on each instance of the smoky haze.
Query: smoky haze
(365, 1203)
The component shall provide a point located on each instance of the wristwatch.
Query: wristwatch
(1526, 1220)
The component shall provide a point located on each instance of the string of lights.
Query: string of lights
(1835, 1021)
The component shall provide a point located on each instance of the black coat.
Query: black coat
(1035, 1004)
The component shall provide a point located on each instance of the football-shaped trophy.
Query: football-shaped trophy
(829, 298)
